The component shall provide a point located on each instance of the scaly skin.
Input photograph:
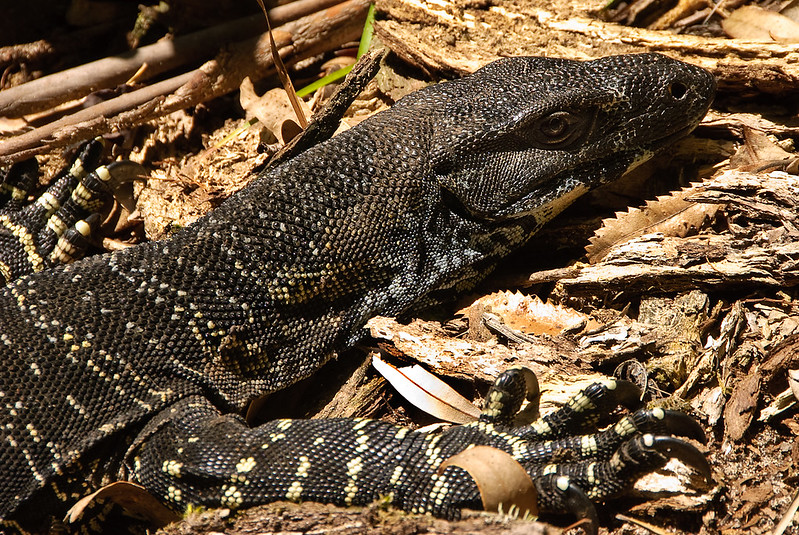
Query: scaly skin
(119, 366)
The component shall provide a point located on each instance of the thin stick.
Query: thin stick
(787, 520)
(298, 40)
(52, 90)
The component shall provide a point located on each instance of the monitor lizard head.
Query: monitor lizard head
(526, 136)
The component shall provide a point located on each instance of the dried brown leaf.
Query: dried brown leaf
(427, 392)
(503, 483)
(272, 109)
(525, 313)
(758, 493)
(758, 150)
(740, 409)
(671, 215)
(296, 103)
(132, 497)
(754, 23)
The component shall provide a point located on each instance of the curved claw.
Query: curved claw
(579, 505)
(685, 452)
(627, 394)
(530, 412)
(122, 174)
(680, 424)
(126, 171)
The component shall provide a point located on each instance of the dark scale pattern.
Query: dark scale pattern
(161, 345)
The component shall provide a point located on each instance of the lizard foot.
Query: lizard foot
(570, 468)
(56, 227)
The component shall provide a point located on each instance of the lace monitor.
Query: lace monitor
(137, 365)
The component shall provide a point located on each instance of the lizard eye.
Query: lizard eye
(559, 129)
(555, 126)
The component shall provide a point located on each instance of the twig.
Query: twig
(297, 40)
(57, 88)
(787, 520)
(43, 49)
(640, 523)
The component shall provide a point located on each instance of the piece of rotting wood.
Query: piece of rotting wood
(442, 37)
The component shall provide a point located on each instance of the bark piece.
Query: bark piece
(761, 249)
(446, 38)
(741, 407)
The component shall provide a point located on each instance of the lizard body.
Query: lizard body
(133, 365)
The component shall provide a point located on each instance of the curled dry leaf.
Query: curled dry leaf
(754, 23)
(133, 498)
(671, 215)
(273, 109)
(758, 151)
(427, 392)
(503, 483)
(525, 313)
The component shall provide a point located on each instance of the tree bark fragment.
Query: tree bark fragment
(445, 38)
(760, 249)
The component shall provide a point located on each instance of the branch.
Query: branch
(50, 91)
(303, 38)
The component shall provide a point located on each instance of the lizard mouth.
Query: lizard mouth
(682, 132)
(668, 139)
(658, 145)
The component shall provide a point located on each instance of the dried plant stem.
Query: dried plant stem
(296, 40)
(52, 90)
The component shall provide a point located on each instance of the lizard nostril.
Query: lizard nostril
(678, 90)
